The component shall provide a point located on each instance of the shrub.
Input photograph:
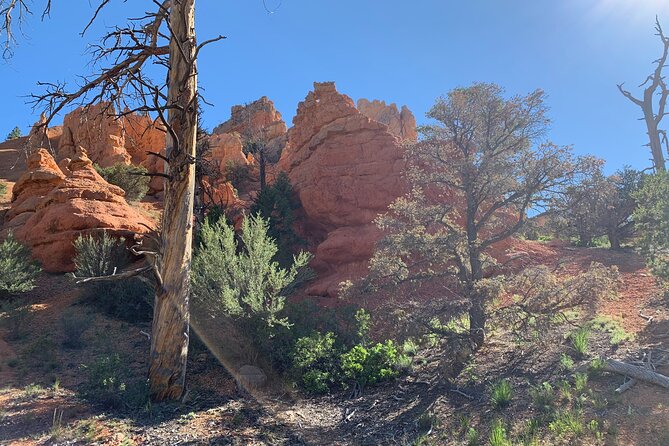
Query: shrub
(3, 188)
(567, 422)
(242, 281)
(128, 299)
(74, 326)
(315, 359)
(501, 394)
(108, 383)
(131, 179)
(277, 345)
(18, 272)
(364, 366)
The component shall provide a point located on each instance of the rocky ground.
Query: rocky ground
(40, 379)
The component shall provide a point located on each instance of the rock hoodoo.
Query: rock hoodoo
(41, 177)
(258, 120)
(346, 169)
(400, 123)
(80, 202)
(111, 140)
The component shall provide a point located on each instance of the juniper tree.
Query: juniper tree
(474, 175)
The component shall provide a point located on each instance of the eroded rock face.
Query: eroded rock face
(258, 120)
(80, 203)
(112, 141)
(346, 169)
(401, 123)
(41, 177)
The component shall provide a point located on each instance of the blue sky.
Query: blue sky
(408, 52)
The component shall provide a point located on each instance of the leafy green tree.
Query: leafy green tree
(242, 281)
(14, 134)
(474, 175)
(18, 272)
(277, 204)
(651, 219)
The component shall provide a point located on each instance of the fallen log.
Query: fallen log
(636, 372)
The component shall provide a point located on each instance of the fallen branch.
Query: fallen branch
(123, 275)
(637, 372)
(626, 385)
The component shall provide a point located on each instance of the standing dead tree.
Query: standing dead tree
(163, 37)
(654, 86)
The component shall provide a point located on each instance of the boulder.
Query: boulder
(81, 203)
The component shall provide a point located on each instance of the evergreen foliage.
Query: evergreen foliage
(242, 281)
(652, 221)
(277, 204)
(14, 134)
(18, 272)
(127, 299)
(131, 179)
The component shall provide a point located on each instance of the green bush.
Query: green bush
(277, 345)
(109, 384)
(370, 365)
(18, 272)
(315, 359)
(131, 179)
(322, 361)
(543, 396)
(127, 299)
(3, 188)
(498, 435)
(243, 282)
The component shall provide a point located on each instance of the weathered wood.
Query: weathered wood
(636, 372)
(169, 336)
(626, 385)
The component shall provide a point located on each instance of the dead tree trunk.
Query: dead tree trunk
(655, 84)
(169, 340)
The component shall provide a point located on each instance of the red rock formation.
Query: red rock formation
(400, 123)
(346, 169)
(226, 148)
(80, 203)
(41, 177)
(96, 129)
(110, 140)
(258, 120)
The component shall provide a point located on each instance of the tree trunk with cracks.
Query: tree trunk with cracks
(170, 331)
